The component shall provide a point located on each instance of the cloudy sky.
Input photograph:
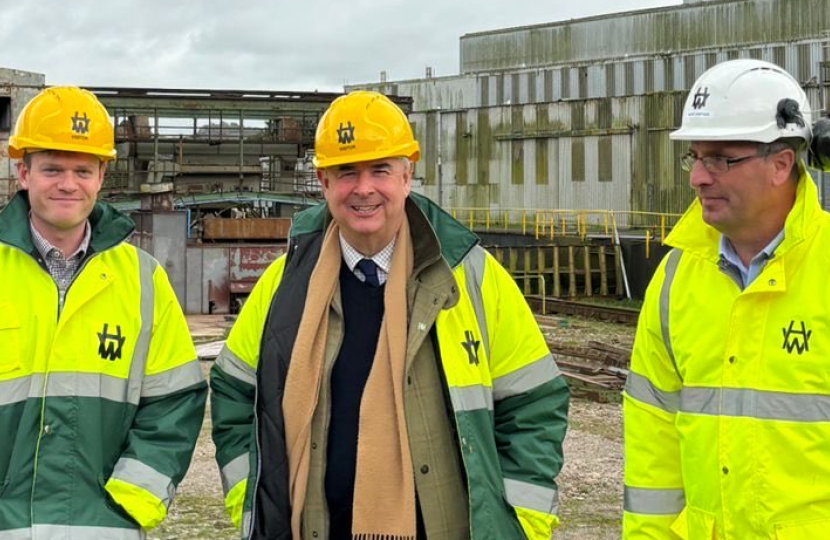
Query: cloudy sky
(264, 45)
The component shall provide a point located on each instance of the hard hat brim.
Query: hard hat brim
(731, 134)
(18, 148)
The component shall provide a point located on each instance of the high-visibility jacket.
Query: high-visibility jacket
(509, 400)
(100, 402)
(727, 406)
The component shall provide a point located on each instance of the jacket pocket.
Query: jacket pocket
(694, 524)
(802, 530)
(9, 340)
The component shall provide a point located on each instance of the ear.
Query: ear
(323, 179)
(22, 174)
(102, 169)
(782, 163)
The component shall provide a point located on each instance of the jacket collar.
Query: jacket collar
(433, 230)
(109, 226)
(693, 235)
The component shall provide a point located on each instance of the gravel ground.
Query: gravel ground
(590, 483)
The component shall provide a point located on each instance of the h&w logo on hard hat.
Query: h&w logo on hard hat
(80, 124)
(701, 97)
(345, 134)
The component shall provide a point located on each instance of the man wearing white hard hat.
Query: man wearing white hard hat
(727, 405)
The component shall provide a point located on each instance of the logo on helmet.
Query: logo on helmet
(701, 97)
(80, 124)
(345, 135)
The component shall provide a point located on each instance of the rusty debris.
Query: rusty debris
(597, 371)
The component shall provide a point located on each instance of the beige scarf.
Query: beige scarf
(384, 498)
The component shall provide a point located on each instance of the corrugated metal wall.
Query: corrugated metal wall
(557, 155)
(595, 135)
(645, 33)
(634, 77)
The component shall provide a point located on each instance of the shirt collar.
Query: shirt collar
(727, 251)
(382, 258)
(44, 247)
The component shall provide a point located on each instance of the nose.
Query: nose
(67, 182)
(365, 184)
(699, 176)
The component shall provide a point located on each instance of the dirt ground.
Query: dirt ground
(590, 483)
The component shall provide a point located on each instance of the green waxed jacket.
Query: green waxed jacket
(100, 402)
(509, 402)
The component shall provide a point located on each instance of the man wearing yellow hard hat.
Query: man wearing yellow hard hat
(386, 378)
(101, 396)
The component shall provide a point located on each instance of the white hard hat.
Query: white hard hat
(745, 100)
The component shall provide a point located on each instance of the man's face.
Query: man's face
(367, 200)
(63, 187)
(736, 201)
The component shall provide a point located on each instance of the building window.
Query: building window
(5, 114)
(606, 159)
(578, 160)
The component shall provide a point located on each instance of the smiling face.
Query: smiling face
(367, 200)
(63, 187)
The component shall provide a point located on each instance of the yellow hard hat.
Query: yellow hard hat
(363, 126)
(64, 118)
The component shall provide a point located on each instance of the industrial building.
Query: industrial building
(577, 114)
(559, 117)
(210, 177)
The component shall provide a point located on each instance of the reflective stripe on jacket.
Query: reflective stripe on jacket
(100, 405)
(727, 406)
(508, 398)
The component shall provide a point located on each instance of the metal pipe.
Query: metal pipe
(622, 259)
(241, 146)
(440, 165)
(155, 145)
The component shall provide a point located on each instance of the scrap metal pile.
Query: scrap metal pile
(596, 372)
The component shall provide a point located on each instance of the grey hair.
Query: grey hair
(796, 144)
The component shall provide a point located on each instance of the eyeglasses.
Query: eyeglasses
(713, 164)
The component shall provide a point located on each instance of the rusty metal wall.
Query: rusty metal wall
(248, 263)
(16, 89)
(217, 276)
(246, 229)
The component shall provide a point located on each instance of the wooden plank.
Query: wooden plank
(603, 273)
(557, 291)
(571, 273)
(586, 257)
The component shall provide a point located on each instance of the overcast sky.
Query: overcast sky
(298, 45)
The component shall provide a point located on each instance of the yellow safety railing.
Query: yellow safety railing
(544, 223)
